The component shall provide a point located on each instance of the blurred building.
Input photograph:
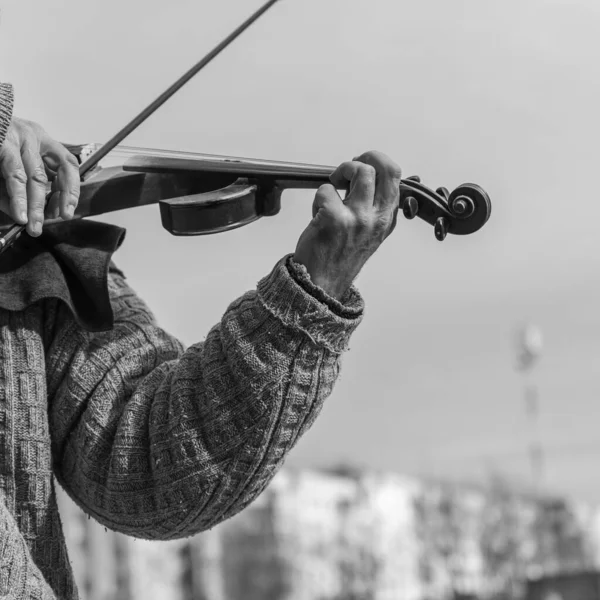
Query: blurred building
(348, 535)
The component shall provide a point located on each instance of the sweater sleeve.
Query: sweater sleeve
(6, 109)
(161, 442)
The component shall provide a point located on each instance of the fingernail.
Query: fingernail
(37, 228)
(23, 216)
(70, 211)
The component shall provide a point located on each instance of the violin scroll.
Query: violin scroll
(463, 211)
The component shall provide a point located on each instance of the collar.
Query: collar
(70, 262)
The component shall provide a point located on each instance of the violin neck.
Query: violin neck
(142, 176)
(284, 174)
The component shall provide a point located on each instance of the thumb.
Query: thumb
(327, 200)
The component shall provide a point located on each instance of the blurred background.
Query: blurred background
(458, 455)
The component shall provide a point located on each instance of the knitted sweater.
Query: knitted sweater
(6, 107)
(149, 438)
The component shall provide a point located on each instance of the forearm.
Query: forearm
(169, 443)
(6, 109)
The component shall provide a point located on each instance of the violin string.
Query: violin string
(15, 231)
(152, 107)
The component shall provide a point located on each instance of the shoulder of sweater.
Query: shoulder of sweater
(127, 304)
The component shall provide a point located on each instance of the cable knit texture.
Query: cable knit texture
(6, 109)
(149, 438)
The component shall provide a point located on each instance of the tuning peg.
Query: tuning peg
(441, 228)
(414, 178)
(442, 191)
(410, 207)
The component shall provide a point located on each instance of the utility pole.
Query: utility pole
(529, 343)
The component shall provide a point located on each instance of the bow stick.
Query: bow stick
(14, 232)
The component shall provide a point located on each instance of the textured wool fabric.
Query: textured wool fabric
(69, 261)
(149, 438)
(6, 108)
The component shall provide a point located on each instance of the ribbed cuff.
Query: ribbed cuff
(350, 306)
(329, 324)
(6, 109)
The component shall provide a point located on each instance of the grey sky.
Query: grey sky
(504, 94)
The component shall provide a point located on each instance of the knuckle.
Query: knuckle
(345, 171)
(363, 222)
(31, 128)
(71, 160)
(18, 176)
(371, 158)
(389, 224)
(370, 155)
(382, 162)
(10, 156)
(344, 223)
(382, 225)
(11, 143)
(18, 201)
(38, 176)
(372, 227)
(73, 196)
(394, 171)
(367, 171)
(22, 123)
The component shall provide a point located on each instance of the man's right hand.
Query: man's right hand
(29, 157)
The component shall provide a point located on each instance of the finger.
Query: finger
(58, 158)
(361, 180)
(37, 183)
(15, 179)
(53, 206)
(52, 209)
(50, 172)
(389, 175)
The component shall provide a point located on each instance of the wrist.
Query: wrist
(298, 303)
(349, 305)
(334, 289)
(328, 280)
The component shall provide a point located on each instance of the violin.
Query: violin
(200, 194)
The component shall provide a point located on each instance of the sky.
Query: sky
(502, 94)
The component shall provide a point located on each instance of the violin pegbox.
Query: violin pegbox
(463, 211)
